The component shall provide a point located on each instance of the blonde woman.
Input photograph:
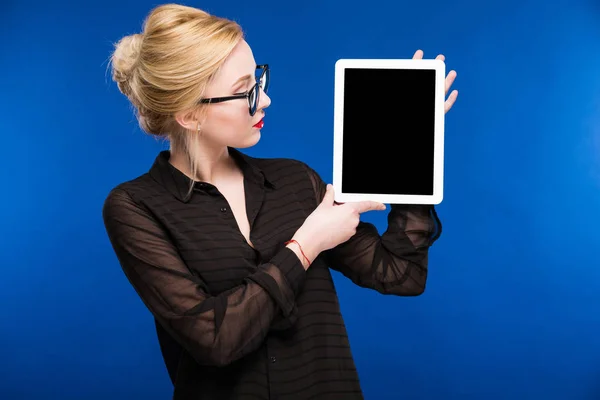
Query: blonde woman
(232, 254)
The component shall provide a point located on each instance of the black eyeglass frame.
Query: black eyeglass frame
(265, 74)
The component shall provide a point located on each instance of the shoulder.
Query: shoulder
(280, 169)
(129, 195)
(276, 163)
(293, 174)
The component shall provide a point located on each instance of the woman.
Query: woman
(230, 253)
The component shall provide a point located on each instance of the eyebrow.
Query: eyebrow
(242, 79)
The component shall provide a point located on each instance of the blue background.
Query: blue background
(511, 309)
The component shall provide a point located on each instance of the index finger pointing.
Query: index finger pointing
(364, 206)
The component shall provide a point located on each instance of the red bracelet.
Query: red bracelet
(303, 255)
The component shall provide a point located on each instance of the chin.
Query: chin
(250, 141)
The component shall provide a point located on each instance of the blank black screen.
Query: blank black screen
(388, 131)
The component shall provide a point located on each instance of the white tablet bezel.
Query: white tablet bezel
(438, 169)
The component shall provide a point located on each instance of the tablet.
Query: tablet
(389, 131)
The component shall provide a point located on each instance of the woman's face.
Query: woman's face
(229, 123)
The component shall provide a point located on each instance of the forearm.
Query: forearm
(220, 329)
(396, 262)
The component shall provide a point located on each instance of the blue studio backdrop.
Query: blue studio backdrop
(511, 307)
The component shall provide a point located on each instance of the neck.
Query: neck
(211, 164)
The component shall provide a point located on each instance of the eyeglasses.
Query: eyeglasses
(253, 95)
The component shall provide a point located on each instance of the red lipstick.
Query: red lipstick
(260, 124)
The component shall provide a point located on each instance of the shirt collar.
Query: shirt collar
(178, 184)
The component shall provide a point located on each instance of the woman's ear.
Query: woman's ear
(188, 119)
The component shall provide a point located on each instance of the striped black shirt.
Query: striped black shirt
(242, 322)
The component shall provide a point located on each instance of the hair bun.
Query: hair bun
(124, 60)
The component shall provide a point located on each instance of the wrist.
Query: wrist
(294, 246)
(305, 248)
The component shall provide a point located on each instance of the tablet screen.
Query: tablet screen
(388, 131)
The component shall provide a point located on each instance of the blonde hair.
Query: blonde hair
(166, 68)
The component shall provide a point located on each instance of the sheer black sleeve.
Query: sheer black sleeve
(393, 263)
(216, 330)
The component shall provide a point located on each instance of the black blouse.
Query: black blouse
(237, 322)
